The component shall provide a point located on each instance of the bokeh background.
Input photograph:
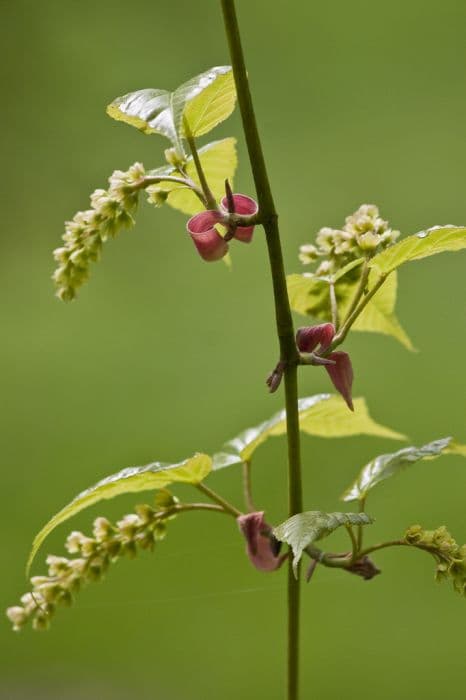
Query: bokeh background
(163, 355)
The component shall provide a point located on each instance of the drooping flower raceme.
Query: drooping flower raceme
(111, 211)
(317, 340)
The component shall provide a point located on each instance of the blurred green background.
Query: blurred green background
(164, 355)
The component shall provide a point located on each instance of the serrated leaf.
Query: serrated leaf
(149, 110)
(379, 315)
(303, 529)
(324, 415)
(204, 101)
(152, 476)
(439, 239)
(387, 465)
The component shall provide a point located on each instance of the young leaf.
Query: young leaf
(303, 529)
(204, 101)
(219, 161)
(324, 415)
(310, 295)
(130, 480)
(385, 466)
(149, 110)
(379, 315)
(438, 239)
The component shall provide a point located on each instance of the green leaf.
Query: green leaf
(303, 529)
(149, 477)
(379, 315)
(438, 239)
(149, 110)
(219, 161)
(204, 101)
(324, 415)
(385, 466)
(454, 448)
(309, 295)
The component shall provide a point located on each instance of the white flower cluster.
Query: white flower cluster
(364, 233)
(94, 555)
(111, 211)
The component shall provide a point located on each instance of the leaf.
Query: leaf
(324, 415)
(385, 466)
(219, 161)
(438, 239)
(302, 529)
(332, 419)
(149, 110)
(347, 268)
(204, 101)
(309, 295)
(454, 448)
(130, 480)
(379, 315)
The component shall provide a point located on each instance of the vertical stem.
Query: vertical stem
(285, 331)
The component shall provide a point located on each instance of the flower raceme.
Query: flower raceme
(316, 340)
(210, 244)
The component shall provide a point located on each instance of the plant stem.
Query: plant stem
(350, 319)
(185, 181)
(285, 330)
(209, 197)
(247, 487)
(214, 496)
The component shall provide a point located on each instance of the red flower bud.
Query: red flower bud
(243, 205)
(308, 338)
(341, 374)
(209, 243)
(260, 545)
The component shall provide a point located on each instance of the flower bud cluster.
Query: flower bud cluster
(450, 557)
(111, 210)
(364, 233)
(93, 555)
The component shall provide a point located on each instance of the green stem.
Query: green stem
(284, 322)
(247, 487)
(361, 509)
(214, 496)
(334, 305)
(208, 196)
(354, 544)
(344, 330)
(185, 181)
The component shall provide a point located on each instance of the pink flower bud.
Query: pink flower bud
(308, 338)
(260, 546)
(248, 207)
(209, 243)
(341, 374)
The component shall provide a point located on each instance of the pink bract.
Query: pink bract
(341, 374)
(308, 338)
(248, 207)
(209, 243)
(259, 544)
